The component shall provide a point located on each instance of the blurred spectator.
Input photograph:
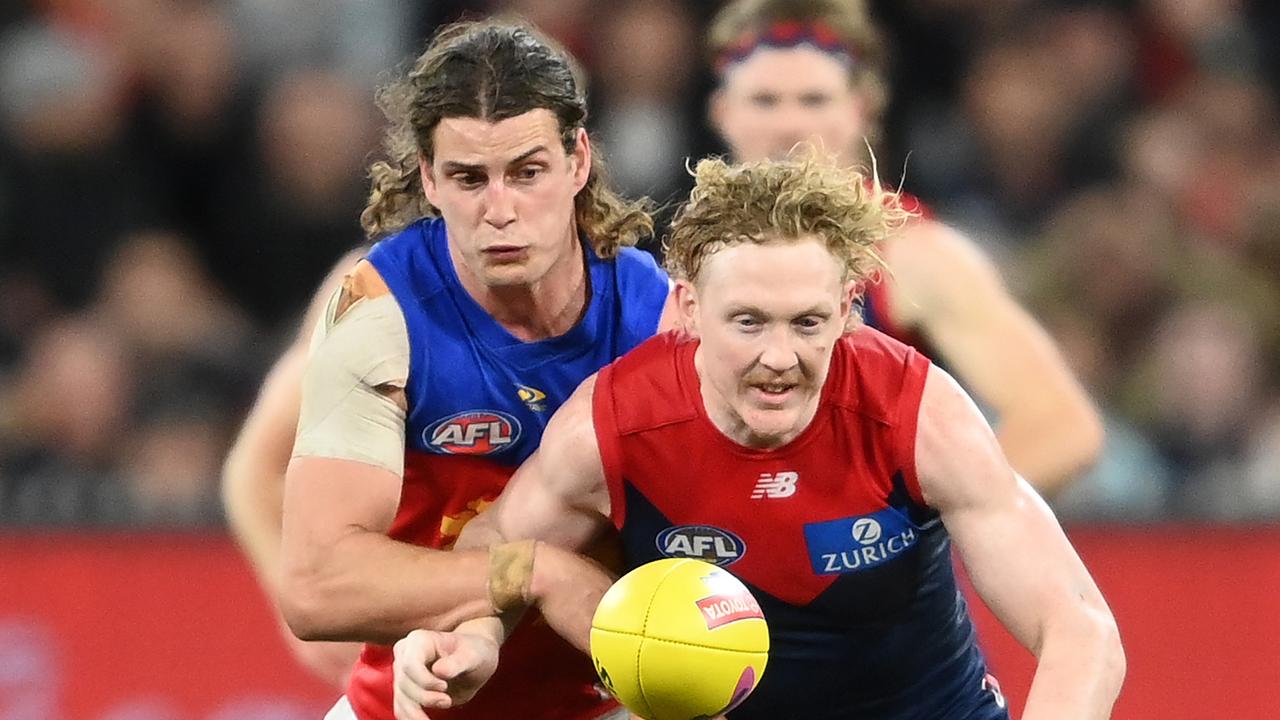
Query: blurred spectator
(1198, 395)
(192, 113)
(65, 413)
(358, 40)
(293, 210)
(647, 55)
(571, 22)
(72, 182)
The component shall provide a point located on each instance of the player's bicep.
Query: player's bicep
(348, 457)
(1014, 550)
(353, 404)
(265, 441)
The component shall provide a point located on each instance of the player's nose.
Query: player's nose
(499, 205)
(779, 353)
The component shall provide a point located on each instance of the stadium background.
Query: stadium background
(177, 175)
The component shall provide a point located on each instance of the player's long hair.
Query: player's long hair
(741, 21)
(491, 70)
(806, 195)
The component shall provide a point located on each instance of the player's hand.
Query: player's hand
(567, 587)
(439, 670)
(332, 662)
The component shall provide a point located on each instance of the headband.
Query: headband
(787, 34)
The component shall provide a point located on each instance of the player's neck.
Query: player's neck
(544, 309)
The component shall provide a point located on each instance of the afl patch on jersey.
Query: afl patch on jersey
(701, 542)
(473, 432)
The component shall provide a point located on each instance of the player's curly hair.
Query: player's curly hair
(849, 20)
(492, 70)
(804, 196)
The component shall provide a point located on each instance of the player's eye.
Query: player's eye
(809, 323)
(764, 101)
(747, 322)
(528, 172)
(469, 180)
(814, 101)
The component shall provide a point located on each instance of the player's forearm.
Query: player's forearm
(253, 498)
(1081, 668)
(367, 587)
(1050, 447)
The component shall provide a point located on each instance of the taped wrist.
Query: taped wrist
(510, 574)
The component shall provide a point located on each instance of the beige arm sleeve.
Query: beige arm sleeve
(358, 363)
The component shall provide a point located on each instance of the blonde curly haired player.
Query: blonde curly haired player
(731, 205)
(813, 70)
(829, 469)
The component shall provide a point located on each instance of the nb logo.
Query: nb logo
(778, 485)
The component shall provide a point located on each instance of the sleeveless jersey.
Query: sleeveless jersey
(478, 401)
(851, 568)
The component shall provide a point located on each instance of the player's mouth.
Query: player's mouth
(773, 393)
(506, 253)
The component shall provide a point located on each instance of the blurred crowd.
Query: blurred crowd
(176, 176)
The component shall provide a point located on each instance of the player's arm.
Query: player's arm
(253, 479)
(556, 504)
(943, 285)
(554, 508)
(342, 577)
(253, 474)
(1018, 558)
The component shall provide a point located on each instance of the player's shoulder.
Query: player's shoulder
(638, 272)
(410, 261)
(656, 355)
(870, 345)
(644, 387)
(408, 246)
(363, 282)
(871, 369)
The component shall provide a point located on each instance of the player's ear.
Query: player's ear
(849, 305)
(581, 157)
(687, 305)
(428, 179)
(849, 298)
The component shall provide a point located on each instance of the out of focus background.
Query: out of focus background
(176, 177)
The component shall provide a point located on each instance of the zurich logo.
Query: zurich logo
(859, 543)
(866, 530)
(701, 542)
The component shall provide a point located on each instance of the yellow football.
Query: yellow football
(679, 639)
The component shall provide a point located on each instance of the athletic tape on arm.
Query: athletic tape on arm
(355, 361)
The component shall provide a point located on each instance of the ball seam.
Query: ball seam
(682, 642)
(644, 628)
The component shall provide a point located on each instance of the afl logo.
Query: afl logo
(474, 432)
(702, 542)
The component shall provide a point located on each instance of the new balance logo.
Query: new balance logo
(778, 485)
